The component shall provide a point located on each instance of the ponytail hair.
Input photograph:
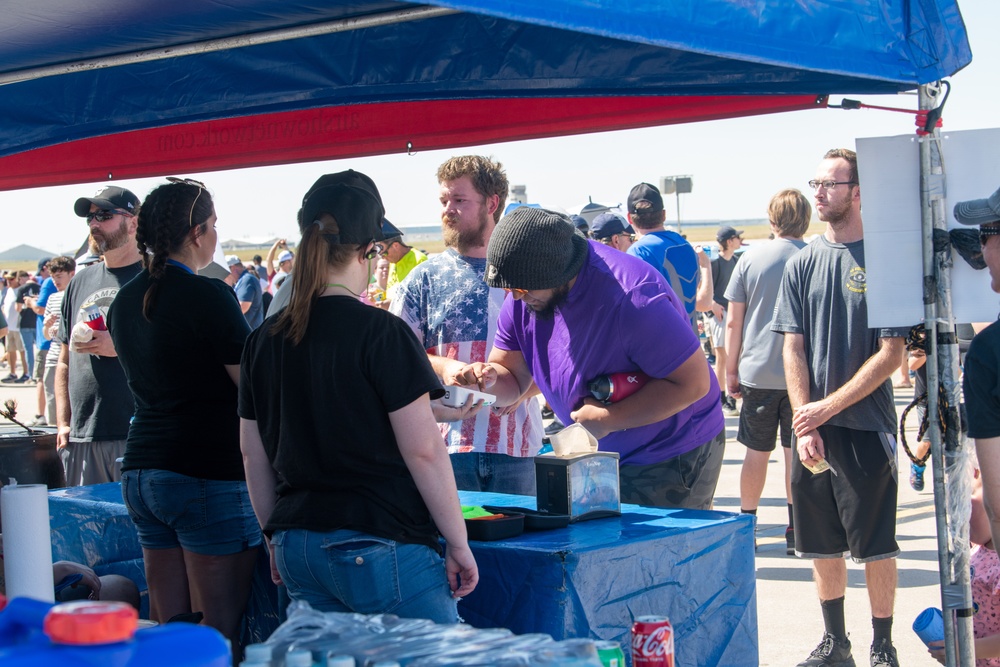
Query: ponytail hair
(319, 252)
(175, 211)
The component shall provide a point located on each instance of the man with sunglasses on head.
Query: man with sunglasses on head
(982, 361)
(93, 401)
(454, 313)
(838, 370)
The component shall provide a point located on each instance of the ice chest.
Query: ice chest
(583, 486)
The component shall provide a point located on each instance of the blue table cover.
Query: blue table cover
(591, 579)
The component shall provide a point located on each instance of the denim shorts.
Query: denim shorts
(350, 571)
(203, 516)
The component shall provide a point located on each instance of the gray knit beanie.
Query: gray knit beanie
(533, 248)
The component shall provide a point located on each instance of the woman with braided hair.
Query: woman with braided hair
(179, 338)
(345, 463)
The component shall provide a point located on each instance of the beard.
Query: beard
(836, 213)
(548, 311)
(462, 239)
(110, 241)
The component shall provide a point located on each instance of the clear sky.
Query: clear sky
(736, 165)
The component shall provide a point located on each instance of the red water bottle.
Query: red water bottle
(652, 642)
(616, 386)
(93, 318)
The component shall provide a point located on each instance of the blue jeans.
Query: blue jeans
(494, 473)
(28, 338)
(350, 571)
(204, 516)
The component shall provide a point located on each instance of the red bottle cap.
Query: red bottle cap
(88, 622)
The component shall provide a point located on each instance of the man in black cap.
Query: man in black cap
(715, 319)
(402, 259)
(579, 310)
(685, 270)
(982, 361)
(611, 230)
(93, 401)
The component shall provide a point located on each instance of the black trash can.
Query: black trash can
(30, 458)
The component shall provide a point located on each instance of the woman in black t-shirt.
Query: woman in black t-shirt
(179, 337)
(347, 470)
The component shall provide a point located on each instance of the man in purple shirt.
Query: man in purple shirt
(580, 310)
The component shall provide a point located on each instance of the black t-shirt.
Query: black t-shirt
(28, 317)
(982, 383)
(185, 401)
(722, 272)
(322, 408)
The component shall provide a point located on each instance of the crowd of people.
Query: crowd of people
(296, 405)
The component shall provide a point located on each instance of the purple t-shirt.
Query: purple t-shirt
(619, 316)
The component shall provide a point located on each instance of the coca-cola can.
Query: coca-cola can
(652, 642)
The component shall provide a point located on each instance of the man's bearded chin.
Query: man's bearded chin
(547, 312)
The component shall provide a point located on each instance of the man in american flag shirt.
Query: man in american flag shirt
(453, 313)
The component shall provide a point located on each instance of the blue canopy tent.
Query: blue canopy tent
(130, 88)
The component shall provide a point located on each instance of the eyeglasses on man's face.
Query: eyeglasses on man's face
(829, 185)
(515, 291)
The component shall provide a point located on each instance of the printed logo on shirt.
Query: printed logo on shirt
(102, 298)
(857, 281)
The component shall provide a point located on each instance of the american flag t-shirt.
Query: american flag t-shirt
(454, 314)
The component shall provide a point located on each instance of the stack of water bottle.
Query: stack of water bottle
(310, 638)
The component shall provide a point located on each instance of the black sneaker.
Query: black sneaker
(831, 652)
(554, 427)
(790, 541)
(883, 654)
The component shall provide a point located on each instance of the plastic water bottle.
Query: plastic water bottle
(299, 658)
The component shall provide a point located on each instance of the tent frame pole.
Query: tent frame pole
(942, 371)
(224, 43)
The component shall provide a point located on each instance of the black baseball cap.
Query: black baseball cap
(353, 199)
(108, 198)
(644, 192)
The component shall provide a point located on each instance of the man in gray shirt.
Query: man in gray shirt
(754, 370)
(837, 370)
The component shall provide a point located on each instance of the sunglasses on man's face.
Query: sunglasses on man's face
(515, 291)
(375, 251)
(102, 216)
(986, 232)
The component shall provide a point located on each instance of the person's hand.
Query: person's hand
(482, 375)
(704, 261)
(64, 568)
(591, 416)
(810, 416)
(101, 345)
(446, 413)
(810, 448)
(50, 326)
(718, 311)
(733, 385)
(62, 437)
(936, 649)
(275, 575)
(463, 573)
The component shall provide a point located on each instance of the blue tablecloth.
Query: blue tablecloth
(590, 579)
(593, 578)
